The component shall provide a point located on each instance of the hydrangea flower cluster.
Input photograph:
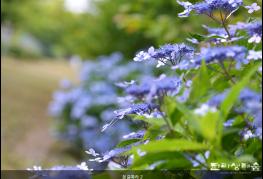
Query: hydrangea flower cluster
(153, 88)
(170, 53)
(221, 31)
(139, 109)
(254, 29)
(218, 54)
(84, 108)
(207, 7)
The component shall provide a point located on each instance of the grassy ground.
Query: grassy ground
(26, 90)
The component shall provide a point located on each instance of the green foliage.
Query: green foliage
(172, 160)
(201, 84)
(172, 145)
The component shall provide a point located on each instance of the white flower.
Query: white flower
(83, 166)
(234, 3)
(161, 63)
(255, 38)
(254, 55)
(92, 152)
(154, 114)
(248, 135)
(253, 7)
(204, 109)
(141, 56)
(35, 168)
(207, 154)
(151, 51)
(140, 153)
(229, 123)
(125, 84)
(122, 112)
(98, 159)
(188, 8)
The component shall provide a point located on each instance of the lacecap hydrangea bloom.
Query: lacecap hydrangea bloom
(153, 88)
(166, 54)
(207, 7)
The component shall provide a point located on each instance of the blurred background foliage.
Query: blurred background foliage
(107, 26)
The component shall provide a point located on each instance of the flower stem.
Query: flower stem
(226, 72)
(223, 22)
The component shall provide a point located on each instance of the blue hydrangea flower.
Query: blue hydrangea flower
(209, 6)
(217, 54)
(184, 97)
(74, 106)
(80, 106)
(172, 52)
(61, 99)
(220, 35)
(252, 104)
(169, 53)
(115, 152)
(88, 121)
(248, 134)
(152, 88)
(254, 29)
(142, 56)
(216, 100)
(248, 95)
(138, 90)
(244, 96)
(221, 31)
(229, 123)
(139, 109)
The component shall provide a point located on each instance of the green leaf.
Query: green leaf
(175, 158)
(198, 37)
(183, 109)
(202, 38)
(201, 84)
(153, 131)
(171, 145)
(175, 164)
(127, 142)
(233, 94)
(153, 121)
(210, 126)
(171, 111)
